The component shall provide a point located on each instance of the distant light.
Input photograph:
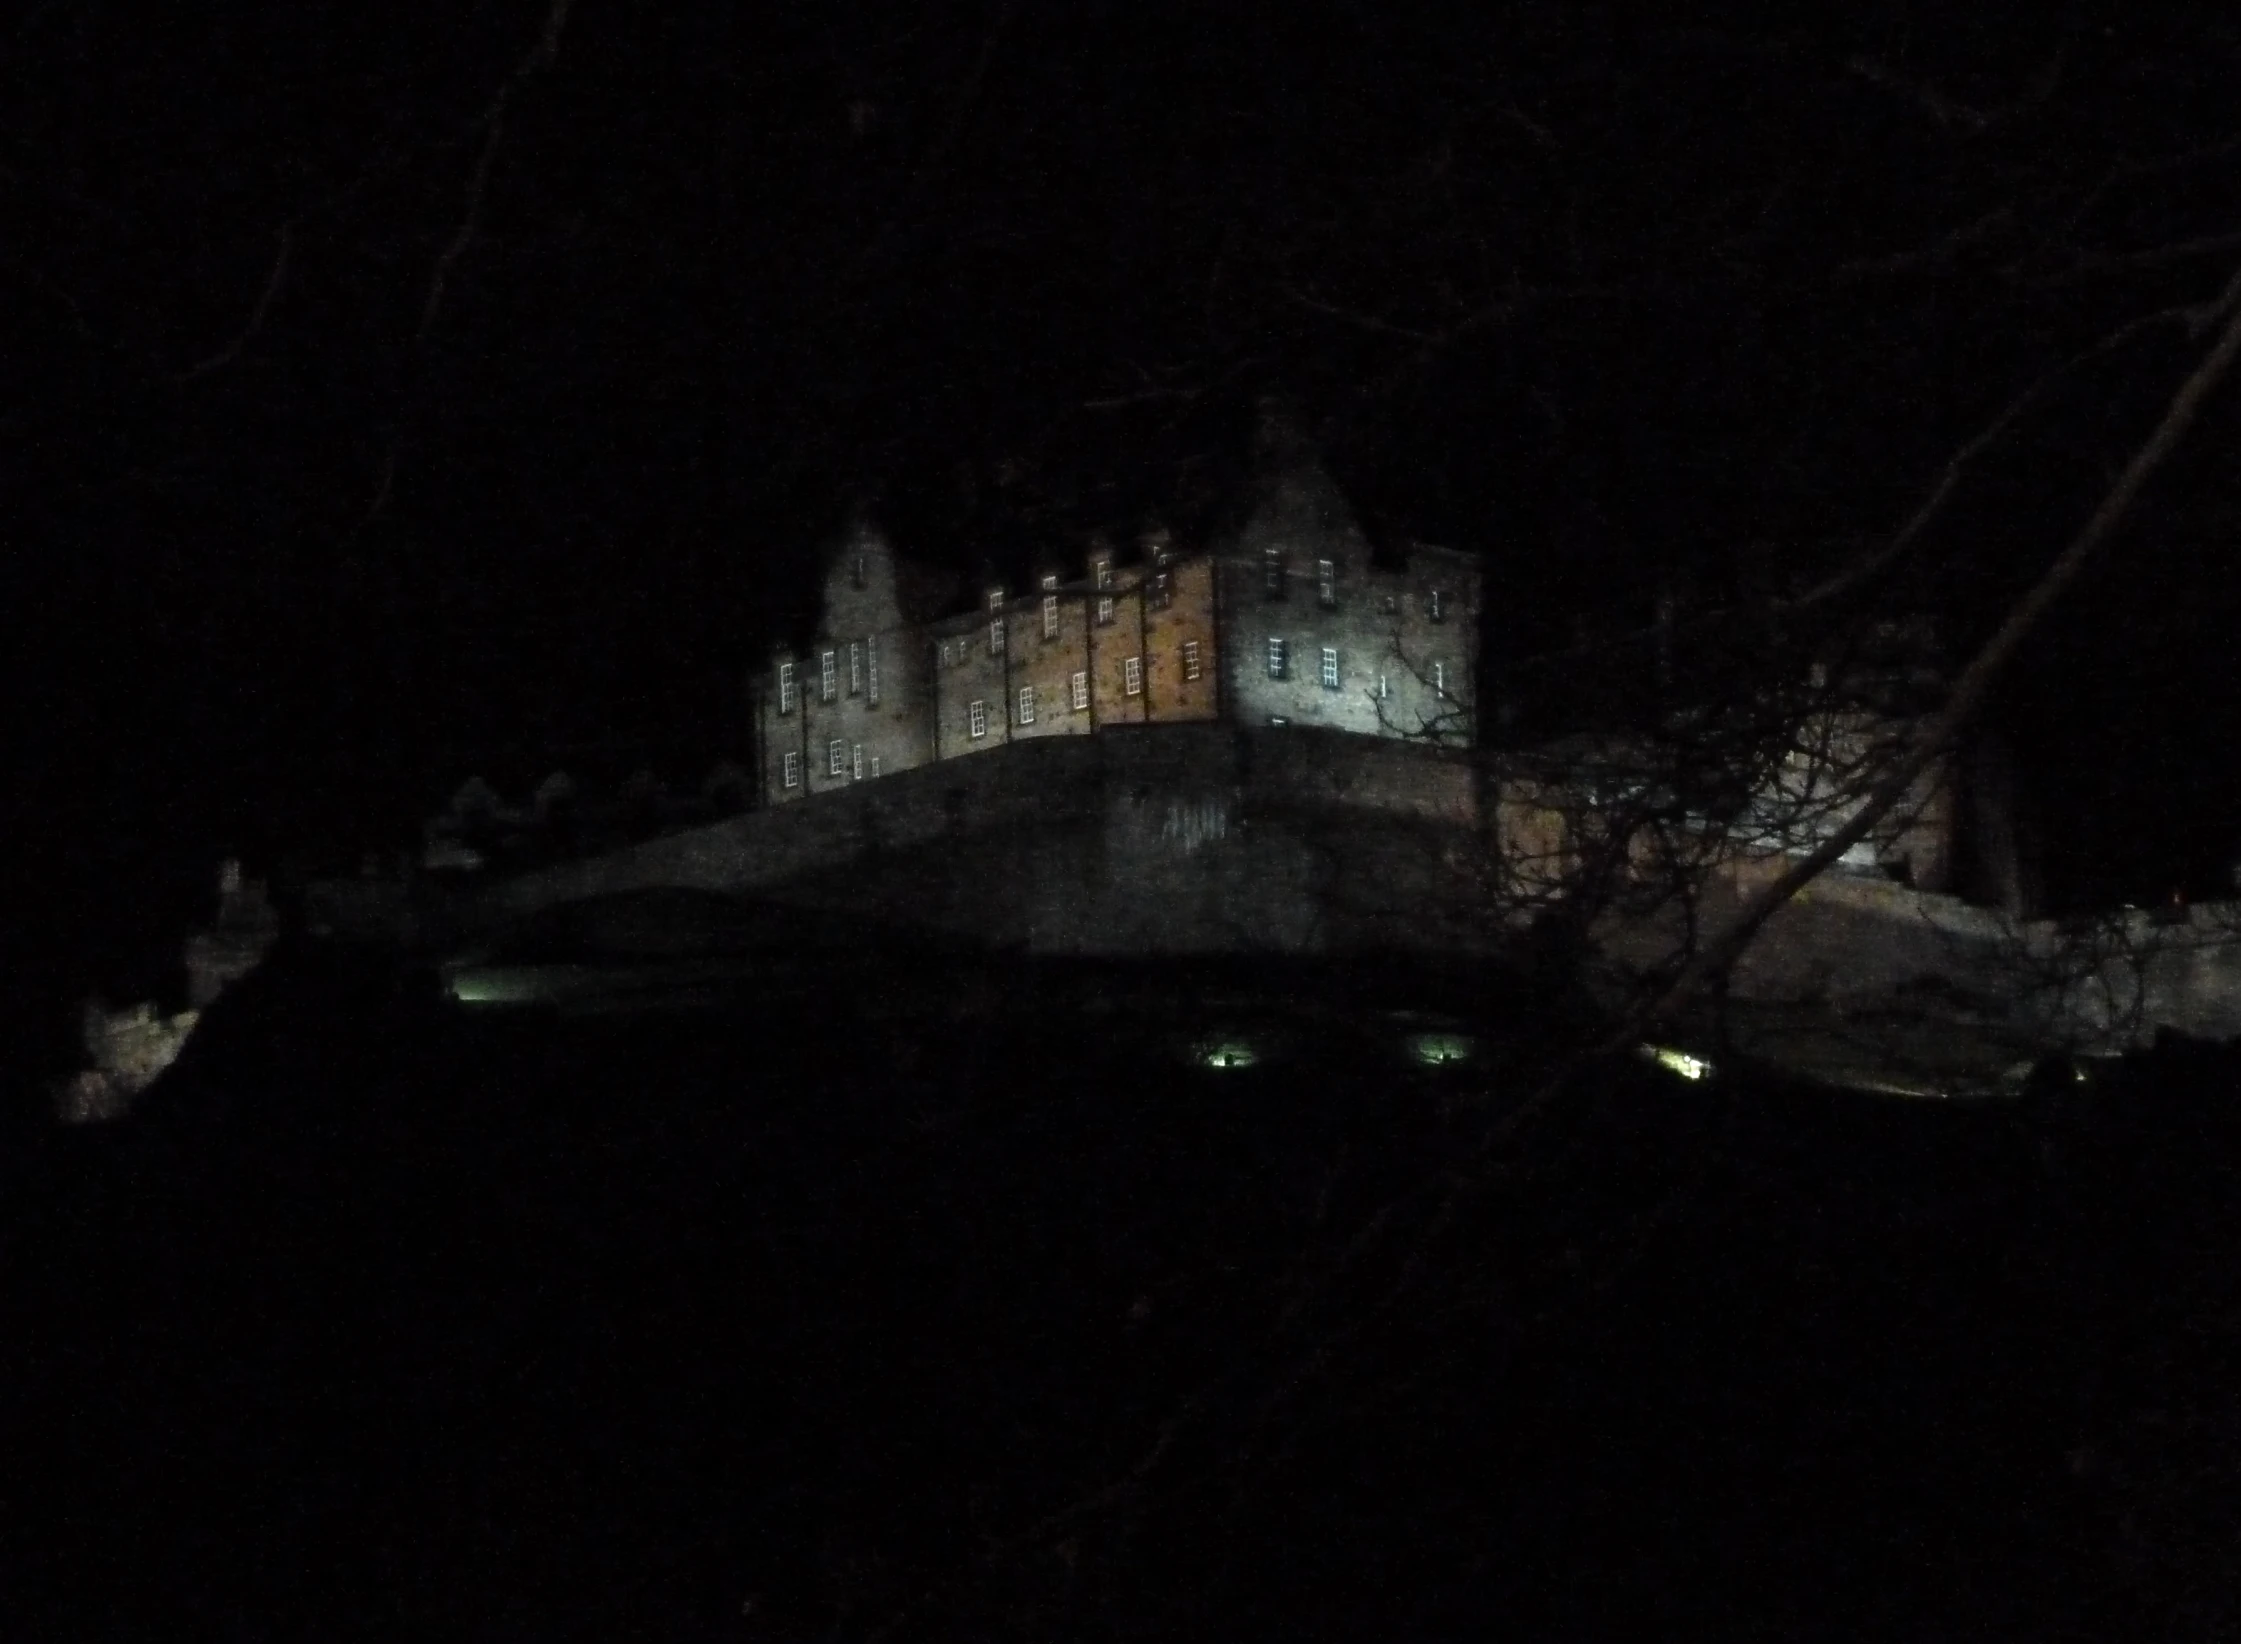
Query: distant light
(1677, 1061)
(1440, 1049)
(1226, 1053)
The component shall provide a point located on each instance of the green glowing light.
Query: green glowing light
(1677, 1061)
(1440, 1049)
(1226, 1053)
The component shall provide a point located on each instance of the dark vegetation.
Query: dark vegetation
(896, 1301)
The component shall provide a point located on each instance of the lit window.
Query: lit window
(996, 637)
(1101, 568)
(1272, 573)
(1439, 678)
(836, 757)
(1105, 610)
(793, 770)
(1276, 659)
(856, 762)
(828, 676)
(871, 673)
(1081, 690)
(1190, 659)
(785, 687)
(855, 667)
(1027, 704)
(1132, 675)
(1330, 669)
(1438, 606)
(1050, 616)
(977, 715)
(1326, 581)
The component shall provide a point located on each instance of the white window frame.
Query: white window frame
(995, 636)
(1132, 676)
(836, 757)
(1326, 581)
(855, 667)
(1081, 689)
(790, 768)
(976, 718)
(1272, 573)
(1050, 616)
(1190, 659)
(1027, 704)
(855, 762)
(871, 673)
(1330, 667)
(1279, 658)
(1439, 605)
(785, 687)
(1104, 610)
(1439, 679)
(1101, 569)
(828, 675)
(1382, 690)
(875, 765)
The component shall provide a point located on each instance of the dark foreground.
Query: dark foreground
(963, 1299)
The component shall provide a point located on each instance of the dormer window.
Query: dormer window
(1326, 581)
(1050, 581)
(1101, 570)
(995, 601)
(1272, 573)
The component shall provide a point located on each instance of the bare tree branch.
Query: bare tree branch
(256, 321)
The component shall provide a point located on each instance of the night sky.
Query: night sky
(397, 392)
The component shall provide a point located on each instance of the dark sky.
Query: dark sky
(384, 390)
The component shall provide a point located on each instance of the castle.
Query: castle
(1293, 621)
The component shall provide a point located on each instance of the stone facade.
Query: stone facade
(1291, 622)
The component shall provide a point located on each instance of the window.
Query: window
(875, 764)
(855, 667)
(995, 602)
(1190, 659)
(1438, 605)
(856, 575)
(1101, 569)
(1382, 692)
(1105, 610)
(1276, 659)
(871, 676)
(1081, 690)
(1326, 581)
(1272, 573)
(836, 757)
(1163, 591)
(1050, 581)
(828, 672)
(1027, 704)
(793, 770)
(855, 762)
(785, 687)
(977, 716)
(1392, 605)
(1050, 616)
(996, 637)
(1330, 669)
(1132, 675)
(1439, 678)
(1278, 719)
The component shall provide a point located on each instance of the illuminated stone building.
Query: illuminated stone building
(1292, 621)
